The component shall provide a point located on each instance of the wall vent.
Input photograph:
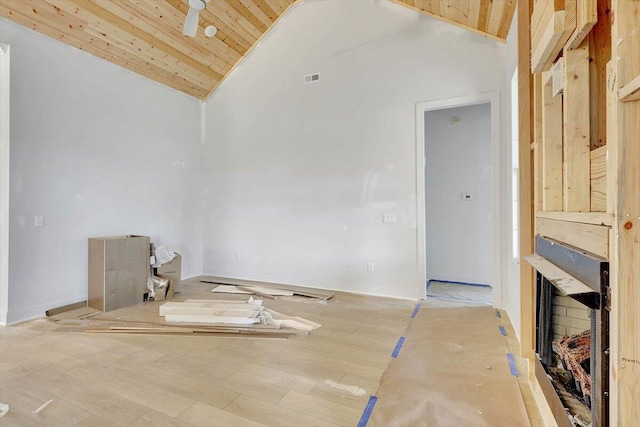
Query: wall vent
(311, 78)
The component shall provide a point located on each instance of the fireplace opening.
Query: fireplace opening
(572, 327)
(566, 352)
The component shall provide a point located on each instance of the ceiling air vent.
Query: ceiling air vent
(311, 78)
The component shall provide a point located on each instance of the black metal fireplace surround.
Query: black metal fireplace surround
(592, 271)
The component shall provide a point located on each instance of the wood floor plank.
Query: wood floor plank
(204, 415)
(351, 391)
(264, 374)
(95, 421)
(101, 403)
(102, 380)
(211, 392)
(128, 387)
(273, 415)
(158, 419)
(25, 398)
(316, 407)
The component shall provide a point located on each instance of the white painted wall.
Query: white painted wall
(511, 266)
(458, 161)
(298, 176)
(5, 52)
(96, 150)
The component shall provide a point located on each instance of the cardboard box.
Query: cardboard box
(118, 271)
(172, 270)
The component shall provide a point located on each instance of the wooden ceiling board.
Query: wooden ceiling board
(145, 36)
(491, 18)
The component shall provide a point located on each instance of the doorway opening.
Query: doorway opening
(459, 205)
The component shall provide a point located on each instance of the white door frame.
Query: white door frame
(493, 98)
(4, 182)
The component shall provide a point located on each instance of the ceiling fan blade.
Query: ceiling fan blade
(190, 27)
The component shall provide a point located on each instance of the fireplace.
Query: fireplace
(572, 331)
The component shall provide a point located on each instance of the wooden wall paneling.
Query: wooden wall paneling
(553, 25)
(525, 134)
(576, 111)
(629, 261)
(612, 208)
(551, 160)
(612, 137)
(536, 147)
(596, 218)
(631, 91)
(588, 237)
(626, 362)
(557, 76)
(599, 180)
(586, 17)
(600, 53)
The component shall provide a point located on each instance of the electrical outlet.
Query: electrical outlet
(371, 266)
(389, 218)
(467, 196)
(38, 221)
(238, 257)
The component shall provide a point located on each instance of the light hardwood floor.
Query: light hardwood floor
(140, 380)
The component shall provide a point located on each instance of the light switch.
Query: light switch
(38, 221)
(389, 218)
(467, 196)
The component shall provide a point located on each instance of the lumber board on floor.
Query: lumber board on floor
(298, 290)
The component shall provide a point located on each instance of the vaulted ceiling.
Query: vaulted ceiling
(145, 36)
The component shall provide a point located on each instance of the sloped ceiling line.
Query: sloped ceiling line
(145, 36)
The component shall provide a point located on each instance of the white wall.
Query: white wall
(96, 150)
(298, 176)
(458, 161)
(5, 53)
(511, 266)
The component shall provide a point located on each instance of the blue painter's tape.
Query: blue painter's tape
(398, 347)
(498, 313)
(503, 331)
(364, 419)
(415, 310)
(512, 364)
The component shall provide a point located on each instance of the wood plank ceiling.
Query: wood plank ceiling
(491, 18)
(145, 36)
